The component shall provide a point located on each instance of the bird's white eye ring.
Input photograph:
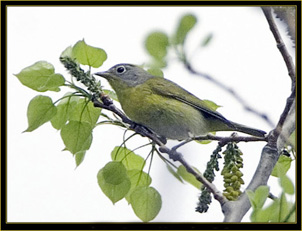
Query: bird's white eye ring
(120, 69)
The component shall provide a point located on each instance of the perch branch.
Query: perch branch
(224, 140)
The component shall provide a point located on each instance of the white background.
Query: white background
(43, 184)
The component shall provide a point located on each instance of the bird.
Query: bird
(166, 108)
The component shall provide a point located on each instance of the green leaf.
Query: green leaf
(41, 77)
(84, 111)
(188, 176)
(129, 159)
(158, 63)
(174, 173)
(60, 119)
(114, 181)
(77, 136)
(156, 44)
(259, 215)
(251, 196)
(261, 195)
(114, 172)
(67, 52)
(211, 104)
(40, 110)
(137, 178)
(269, 214)
(111, 94)
(207, 40)
(282, 166)
(156, 72)
(275, 212)
(284, 208)
(79, 157)
(186, 23)
(280, 209)
(146, 203)
(88, 55)
(205, 141)
(258, 197)
(291, 215)
(287, 185)
(64, 108)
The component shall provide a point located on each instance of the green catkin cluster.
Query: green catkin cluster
(205, 197)
(232, 175)
(85, 78)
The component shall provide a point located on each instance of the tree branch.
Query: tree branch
(224, 140)
(280, 44)
(234, 211)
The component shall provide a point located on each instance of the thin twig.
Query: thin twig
(224, 140)
(272, 196)
(280, 44)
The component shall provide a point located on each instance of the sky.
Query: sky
(43, 183)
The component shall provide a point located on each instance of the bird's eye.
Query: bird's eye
(120, 69)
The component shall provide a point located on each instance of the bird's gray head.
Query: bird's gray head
(127, 73)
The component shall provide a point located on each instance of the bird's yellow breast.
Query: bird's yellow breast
(166, 116)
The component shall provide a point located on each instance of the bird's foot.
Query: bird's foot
(173, 154)
(182, 143)
(144, 131)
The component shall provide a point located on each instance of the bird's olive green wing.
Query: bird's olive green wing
(169, 89)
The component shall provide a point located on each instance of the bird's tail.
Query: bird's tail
(248, 130)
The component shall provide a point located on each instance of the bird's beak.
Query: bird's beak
(104, 74)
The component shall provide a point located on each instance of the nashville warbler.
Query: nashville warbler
(164, 107)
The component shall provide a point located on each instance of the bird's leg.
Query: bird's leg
(144, 131)
(181, 144)
(173, 154)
